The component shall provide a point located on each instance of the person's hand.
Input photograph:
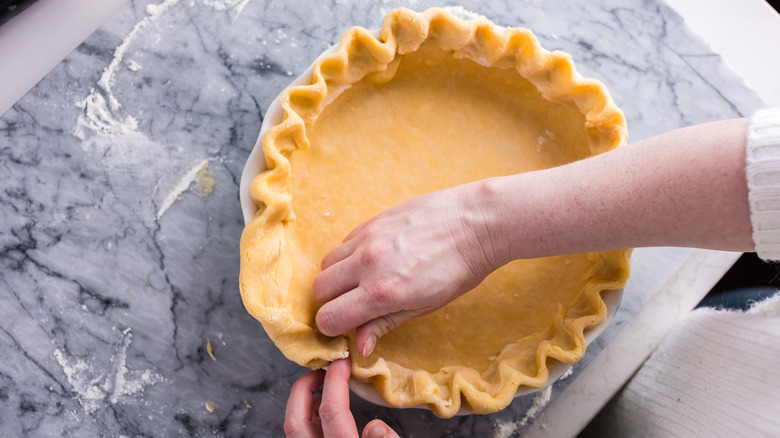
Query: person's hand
(405, 262)
(328, 415)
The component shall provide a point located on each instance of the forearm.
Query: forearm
(683, 188)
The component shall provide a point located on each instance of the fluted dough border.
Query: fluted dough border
(266, 268)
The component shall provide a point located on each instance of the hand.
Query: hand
(327, 416)
(406, 262)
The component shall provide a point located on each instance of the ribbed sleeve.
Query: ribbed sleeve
(763, 179)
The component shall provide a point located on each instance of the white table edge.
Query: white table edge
(741, 32)
(41, 36)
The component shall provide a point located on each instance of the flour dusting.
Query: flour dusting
(133, 66)
(222, 5)
(94, 389)
(389, 5)
(506, 429)
(235, 6)
(98, 107)
(114, 138)
(183, 184)
(106, 78)
(462, 13)
(79, 375)
(96, 117)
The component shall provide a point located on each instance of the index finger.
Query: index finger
(337, 419)
(337, 254)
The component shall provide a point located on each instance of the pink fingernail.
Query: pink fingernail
(368, 347)
(377, 432)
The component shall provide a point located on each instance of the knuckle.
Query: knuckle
(372, 254)
(291, 429)
(371, 229)
(329, 413)
(386, 323)
(385, 293)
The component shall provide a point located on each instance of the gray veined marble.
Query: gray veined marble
(119, 260)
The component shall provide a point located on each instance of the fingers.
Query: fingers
(378, 429)
(351, 310)
(367, 335)
(336, 418)
(327, 416)
(335, 280)
(358, 229)
(349, 243)
(300, 405)
(337, 254)
(315, 418)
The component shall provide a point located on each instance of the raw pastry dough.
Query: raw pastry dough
(433, 102)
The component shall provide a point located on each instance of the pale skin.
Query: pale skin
(683, 188)
(326, 416)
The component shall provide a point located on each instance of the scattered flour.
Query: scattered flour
(96, 117)
(124, 383)
(506, 429)
(104, 82)
(181, 187)
(79, 375)
(133, 66)
(462, 13)
(408, 2)
(222, 5)
(236, 6)
(94, 389)
(390, 5)
(568, 373)
(114, 137)
(98, 106)
(540, 401)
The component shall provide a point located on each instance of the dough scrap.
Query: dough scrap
(433, 102)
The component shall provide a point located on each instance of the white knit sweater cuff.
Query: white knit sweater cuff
(763, 179)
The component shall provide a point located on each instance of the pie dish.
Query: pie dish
(431, 102)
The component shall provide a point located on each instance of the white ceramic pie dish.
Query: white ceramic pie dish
(256, 163)
(611, 298)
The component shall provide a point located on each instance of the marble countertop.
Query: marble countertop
(120, 219)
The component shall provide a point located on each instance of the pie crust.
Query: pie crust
(433, 102)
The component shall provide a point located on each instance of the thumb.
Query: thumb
(367, 335)
(378, 429)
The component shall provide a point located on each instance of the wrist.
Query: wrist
(526, 215)
(485, 207)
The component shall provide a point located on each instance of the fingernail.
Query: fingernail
(377, 432)
(368, 347)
